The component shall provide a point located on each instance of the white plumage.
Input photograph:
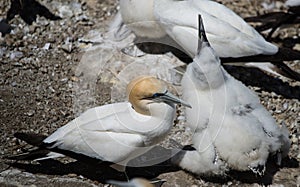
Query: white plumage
(110, 133)
(120, 132)
(174, 22)
(232, 130)
(227, 32)
(137, 182)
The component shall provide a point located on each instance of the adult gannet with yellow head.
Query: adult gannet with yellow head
(122, 131)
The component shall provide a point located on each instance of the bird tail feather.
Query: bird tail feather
(30, 138)
(31, 155)
(40, 153)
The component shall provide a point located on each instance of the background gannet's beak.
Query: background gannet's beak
(172, 98)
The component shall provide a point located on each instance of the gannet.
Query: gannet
(118, 132)
(174, 22)
(232, 130)
(137, 182)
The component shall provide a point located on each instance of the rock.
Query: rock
(297, 47)
(67, 46)
(268, 6)
(46, 46)
(2, 51)
(30, 113)
(70, 10)
(65, 11)
(15, 55)
(13, 84)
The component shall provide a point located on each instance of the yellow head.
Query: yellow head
(145, 90)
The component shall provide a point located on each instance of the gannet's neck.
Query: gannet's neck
(162, 110)
(207, 55)
(138, 15)
(163, 114)
(206, 69)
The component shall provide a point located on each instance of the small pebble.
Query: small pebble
(16, 55)
(72, 175)
(46, 46)
(67, 47)
(30, 113)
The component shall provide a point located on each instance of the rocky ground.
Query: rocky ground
(41, 90)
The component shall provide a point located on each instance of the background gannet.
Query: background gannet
(116, 132)
(232, 130)
(137, 182)
(174, 23)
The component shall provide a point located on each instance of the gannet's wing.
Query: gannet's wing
(93, 115)
(180, 20)
(226, 15)
(248, 134)
(99, 134)
(277, 137)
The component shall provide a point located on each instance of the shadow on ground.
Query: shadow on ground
(255, 77)
(99, 171)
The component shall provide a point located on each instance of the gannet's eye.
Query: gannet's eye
(159, 94)
(156, 95)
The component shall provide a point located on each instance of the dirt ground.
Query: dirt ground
(38, 93)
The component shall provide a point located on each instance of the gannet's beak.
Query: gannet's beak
(168, 97)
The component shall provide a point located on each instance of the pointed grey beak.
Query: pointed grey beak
(172, 98)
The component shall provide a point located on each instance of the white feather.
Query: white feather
(120, 132)
(228, 116)
(174, 23)
(228, 33)
(114, 132)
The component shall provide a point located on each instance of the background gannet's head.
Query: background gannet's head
(145, 90)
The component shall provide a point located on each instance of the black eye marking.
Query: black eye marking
(159, 94)
(156, 95)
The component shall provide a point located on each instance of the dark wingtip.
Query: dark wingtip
(31, 155)
(30, 138)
